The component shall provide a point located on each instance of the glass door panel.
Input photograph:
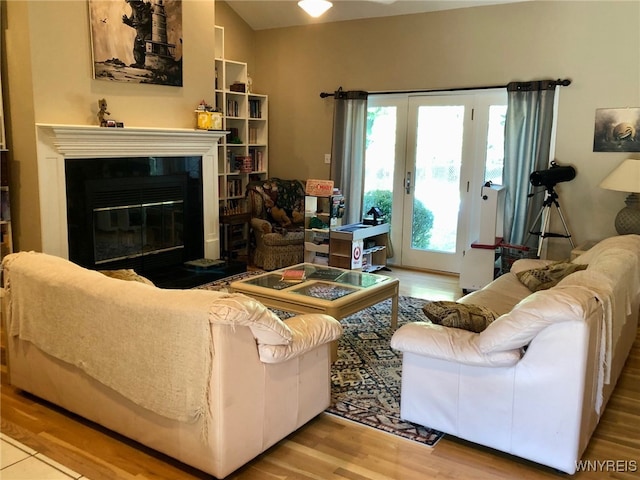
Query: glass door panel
(379, 155)
(437, 177)
(385, 159)
(437, 168)
(495, 144)
(426, 159)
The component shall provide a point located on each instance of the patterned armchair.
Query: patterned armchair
(277, 213)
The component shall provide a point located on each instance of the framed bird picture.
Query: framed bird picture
(617, 130)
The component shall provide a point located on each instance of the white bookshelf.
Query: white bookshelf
(245, 116)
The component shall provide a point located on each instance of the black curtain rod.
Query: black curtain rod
(559, 82)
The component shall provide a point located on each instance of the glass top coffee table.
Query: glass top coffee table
(330, 290)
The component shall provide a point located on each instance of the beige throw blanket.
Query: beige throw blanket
(152, 346)
(613, 277)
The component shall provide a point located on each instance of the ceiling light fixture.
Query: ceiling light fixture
(315, 8)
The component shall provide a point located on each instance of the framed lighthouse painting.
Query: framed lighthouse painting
(137, 41)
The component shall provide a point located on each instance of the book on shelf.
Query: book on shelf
(234, 188)
(259, 161)
(253, 135)
(255, 108)
(293, 276)
(257, 157)
(233, 108)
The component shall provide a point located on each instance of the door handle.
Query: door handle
(407, 183)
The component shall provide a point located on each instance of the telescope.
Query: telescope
(548, 178)
(556, 174)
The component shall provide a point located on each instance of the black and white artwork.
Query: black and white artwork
(137, 41)
(617, 130)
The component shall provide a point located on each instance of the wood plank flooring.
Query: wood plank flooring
(329, 447)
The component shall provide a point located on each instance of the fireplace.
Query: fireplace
(143, 213)
(149, 195)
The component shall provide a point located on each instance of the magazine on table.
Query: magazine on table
(293, 276)
(329, 274)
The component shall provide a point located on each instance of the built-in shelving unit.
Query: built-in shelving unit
(6, 236)
(6, 241)
(243, 154)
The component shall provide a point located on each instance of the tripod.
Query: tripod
(550, 198)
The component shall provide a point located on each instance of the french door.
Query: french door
(444, 147)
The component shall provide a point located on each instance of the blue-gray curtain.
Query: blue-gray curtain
(528, 131)
(348, 149)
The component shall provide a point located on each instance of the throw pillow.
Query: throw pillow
(548, 276)
(474, 318)
(126, 274)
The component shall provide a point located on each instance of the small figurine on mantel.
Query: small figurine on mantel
(102, 111)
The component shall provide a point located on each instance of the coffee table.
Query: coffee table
(330, 290)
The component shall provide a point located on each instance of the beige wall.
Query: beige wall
(595, 44)
(239, 38)
(50, 80)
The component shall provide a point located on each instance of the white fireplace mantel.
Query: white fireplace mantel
(59, 142)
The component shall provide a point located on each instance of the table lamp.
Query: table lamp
(626, 178)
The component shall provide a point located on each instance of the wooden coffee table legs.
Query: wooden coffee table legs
(394, 311)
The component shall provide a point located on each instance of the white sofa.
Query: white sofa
(211, 379)
(536, 381)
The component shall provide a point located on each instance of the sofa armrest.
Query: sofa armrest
(308, 332)
(450, 344)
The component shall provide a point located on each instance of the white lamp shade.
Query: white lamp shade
(625, 178)
(315, 8)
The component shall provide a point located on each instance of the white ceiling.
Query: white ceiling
(264, 14)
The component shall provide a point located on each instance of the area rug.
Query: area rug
(365, 379)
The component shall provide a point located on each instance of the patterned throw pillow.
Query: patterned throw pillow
(548, 276)
(474, 318)
(126, 274)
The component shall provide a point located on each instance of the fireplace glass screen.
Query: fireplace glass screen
(130, 231)
(143, 213)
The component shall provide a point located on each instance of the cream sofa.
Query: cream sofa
(536, 381)
(211, 379)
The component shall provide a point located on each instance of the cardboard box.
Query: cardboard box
(319, 188)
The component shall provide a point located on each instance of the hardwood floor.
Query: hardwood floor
(329, 447)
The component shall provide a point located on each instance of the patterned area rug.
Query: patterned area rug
(365, 380)
(366, 377)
